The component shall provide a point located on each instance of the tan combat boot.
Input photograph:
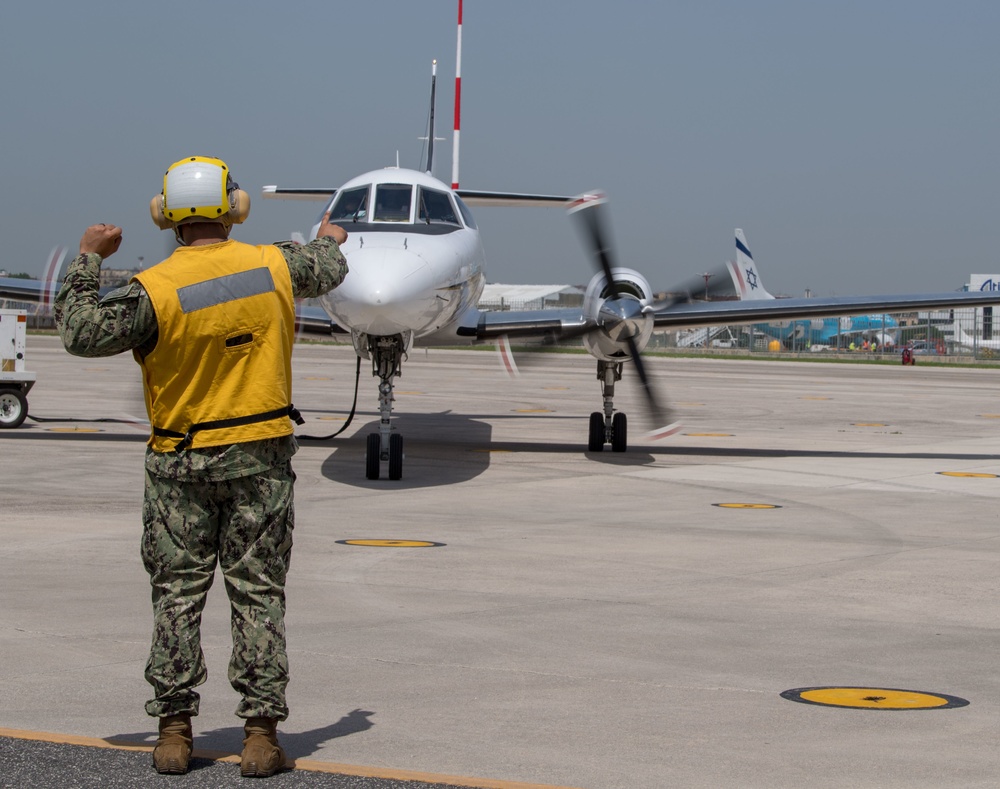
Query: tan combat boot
(262, 756)
(173, 747)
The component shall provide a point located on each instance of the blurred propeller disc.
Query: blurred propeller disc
(589, 211)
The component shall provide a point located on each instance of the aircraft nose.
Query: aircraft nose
(382, 277)
(383, 292)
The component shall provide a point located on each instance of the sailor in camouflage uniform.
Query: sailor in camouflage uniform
(212, 328)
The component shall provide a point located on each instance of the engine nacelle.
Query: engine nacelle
(617, 318)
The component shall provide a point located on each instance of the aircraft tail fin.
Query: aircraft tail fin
(743, 270)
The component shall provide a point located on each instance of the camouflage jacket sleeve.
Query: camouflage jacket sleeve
(92, 326)
(316, 267)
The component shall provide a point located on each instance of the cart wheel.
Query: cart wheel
(13, 408)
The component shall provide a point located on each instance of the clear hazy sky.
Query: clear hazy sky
(854, 142)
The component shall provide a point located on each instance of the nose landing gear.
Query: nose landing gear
(386, 445)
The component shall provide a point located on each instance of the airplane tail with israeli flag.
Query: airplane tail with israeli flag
(743, 270)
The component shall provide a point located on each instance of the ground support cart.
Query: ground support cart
(15, 381)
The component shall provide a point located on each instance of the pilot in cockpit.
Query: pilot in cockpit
(352, 205)
(392, 203)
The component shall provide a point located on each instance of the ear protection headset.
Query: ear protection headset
(201, 189)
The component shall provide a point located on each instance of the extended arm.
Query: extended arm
(90, 326)
(319, 266)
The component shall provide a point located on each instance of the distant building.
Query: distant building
(500, 297)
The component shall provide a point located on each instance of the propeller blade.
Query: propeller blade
(506, 356)
(589, 211)
(659, 415)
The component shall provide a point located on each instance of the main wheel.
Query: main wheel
(596, 441)
(619, 432)
(372, 455)
(395, 456)
(13, 408)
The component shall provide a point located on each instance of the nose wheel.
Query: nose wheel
(393, 454)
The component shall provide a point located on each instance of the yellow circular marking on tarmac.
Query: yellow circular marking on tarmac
(869, 424)
(708, 434)
(966, 474)
(874, 698)
(491, 450)
(74, 430)
(391, 543)
(332, 418)
(739, 506)
(990, 416)
(532, 411)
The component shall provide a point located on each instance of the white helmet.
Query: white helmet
(199, 189)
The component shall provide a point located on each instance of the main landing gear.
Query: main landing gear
(611, 427)
(386, 445)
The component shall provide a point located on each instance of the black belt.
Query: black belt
(237, 421)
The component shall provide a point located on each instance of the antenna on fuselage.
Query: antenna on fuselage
(458, 101)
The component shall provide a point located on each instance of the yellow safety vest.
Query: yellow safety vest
(221, 369)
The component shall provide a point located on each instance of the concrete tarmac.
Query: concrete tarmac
(585, 620)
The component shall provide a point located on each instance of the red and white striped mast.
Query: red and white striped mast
(458, 101)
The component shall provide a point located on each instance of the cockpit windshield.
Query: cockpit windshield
(435, 207)
(433, 211)
(392, 202)
(351, 205)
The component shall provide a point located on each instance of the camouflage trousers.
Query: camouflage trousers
(245, 526)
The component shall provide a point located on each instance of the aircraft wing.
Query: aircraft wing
(317, 194)
(472, 197)
(314, 319)
(525, 324)
(25, 289)
(568, 323)
(694, 314)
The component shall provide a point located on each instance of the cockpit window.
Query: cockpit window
(435, 207)
(392, 202)
(466, 213)
(351, 205)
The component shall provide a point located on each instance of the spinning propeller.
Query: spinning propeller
(618, 322)
(622, 317)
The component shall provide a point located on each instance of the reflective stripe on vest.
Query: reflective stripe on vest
(220, 290)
